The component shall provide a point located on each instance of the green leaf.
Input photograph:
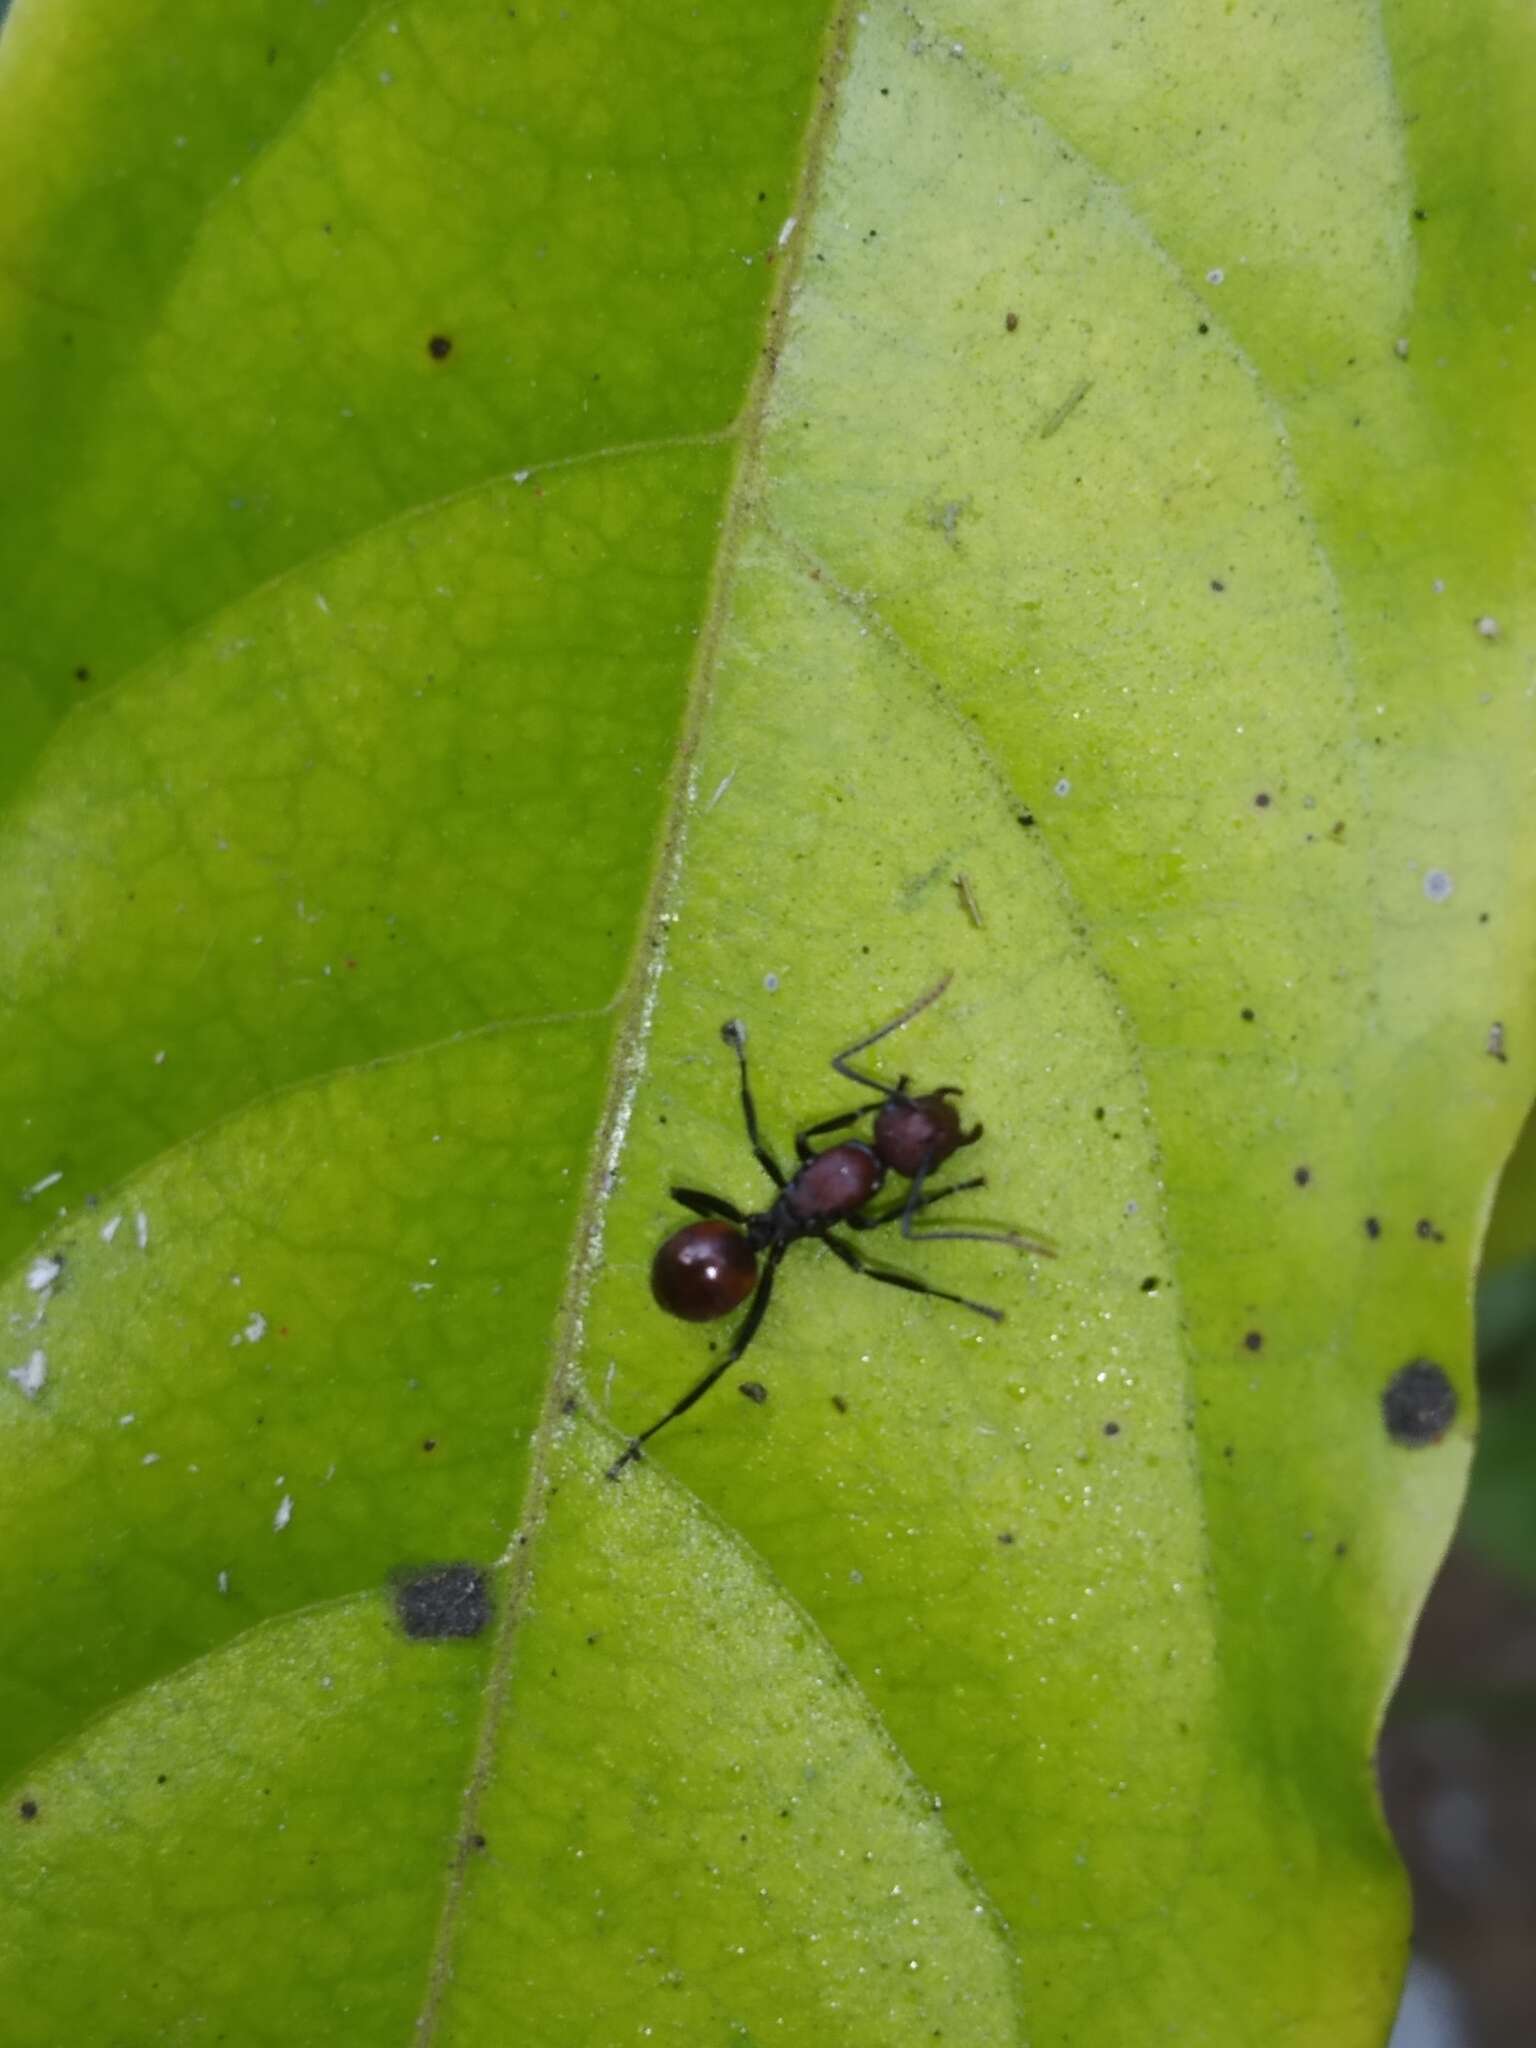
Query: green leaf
(539, 532)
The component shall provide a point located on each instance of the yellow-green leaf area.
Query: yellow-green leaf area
(580, 528)
(262, 1837)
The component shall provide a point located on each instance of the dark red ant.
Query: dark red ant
(707, 1269)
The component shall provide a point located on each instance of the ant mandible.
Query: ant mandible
(705, 1270)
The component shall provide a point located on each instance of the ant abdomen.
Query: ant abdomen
(703, 1272)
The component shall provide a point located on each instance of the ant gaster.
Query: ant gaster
(706, 1269)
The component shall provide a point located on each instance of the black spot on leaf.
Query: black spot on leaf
(440, 347)
(444, 1600)
(1418, 1403)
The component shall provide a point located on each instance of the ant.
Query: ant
(705, 1270)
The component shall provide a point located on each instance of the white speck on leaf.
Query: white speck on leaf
(41, 1187)
(43, 1272)
(1438, 885)
(1489, 628)
(1215, 277)
(110, 1228)
(284, 1513)
(788, 229)
(150, 1458)
(31, 1376)
(141, 1229)
(223, 1582)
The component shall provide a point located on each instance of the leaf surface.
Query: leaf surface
(547, 533)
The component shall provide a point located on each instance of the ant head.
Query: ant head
(917, 1131)
(703, 1271)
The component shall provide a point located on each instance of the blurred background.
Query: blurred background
(1458, 1754)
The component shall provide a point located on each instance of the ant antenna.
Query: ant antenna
(840, 1064)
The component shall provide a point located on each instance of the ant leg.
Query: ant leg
(855, 1264)
(840, 1063)
(803, 1151)
(902, 1209)
(916, 1200)
(707, 1205)
(735, 1036)
(750, 1325)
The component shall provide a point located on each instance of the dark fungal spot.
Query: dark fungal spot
(754, 1391)
(476, 1841)
(1150, 1284)
(1217, 584)
(1426, 1229)
(1262, 801)
(1373, 1226)
(27, 1808)
(1026, 819)
(1111, 1429)
(1246, 1015)
(1011, 322)
(1419, 213)
(1302, 1176)
(445, 1600)
(1418, 1403)
(1253, 1340)
(1006, 1536)
(839, 1404)
(440, 347)
(1204, 327)
(82, 674)
(429, 1443)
